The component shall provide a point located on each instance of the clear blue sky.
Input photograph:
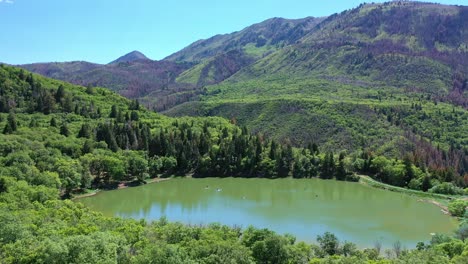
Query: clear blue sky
(102, 30)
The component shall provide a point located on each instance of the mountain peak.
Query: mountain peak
(132, 56)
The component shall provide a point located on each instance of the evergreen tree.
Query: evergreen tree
(85, 131)
(90, 89)
(409, 173)
(64, 130)
(134, 105)
(340, 170)
(113, 113)
(134, 116)
(67, 104)
(273, 150)
(426, 184)
(88, 147)
(3, 185)
(47, 103)
(53, 122)
(60, 94)
(11, 125)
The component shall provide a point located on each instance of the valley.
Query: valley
(332, 139)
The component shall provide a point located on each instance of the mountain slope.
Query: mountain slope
(255, 40)
(361, 80)
(153, 82)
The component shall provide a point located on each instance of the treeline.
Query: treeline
(113, 143)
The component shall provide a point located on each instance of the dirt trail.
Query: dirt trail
(442, 207)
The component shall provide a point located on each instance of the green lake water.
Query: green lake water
(304, 208)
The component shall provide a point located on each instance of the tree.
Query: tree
(3, 185)
(53, 122)
(60, 94)
(67, 104)
(64, 130)
(134, 116)
(47, 104)
(114, 112)
(461, 233)
(70, 173)
(409, 172)
(90, 89)
(134, 105)
(138, 167)
(340, 170)
(329, 243)
(11, 125)
(426, 184)
(397, 248)
(88, 147)
(85, 131)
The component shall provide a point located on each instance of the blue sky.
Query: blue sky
(102, 30)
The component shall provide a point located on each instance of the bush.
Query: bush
(446, 188)
(457, 207)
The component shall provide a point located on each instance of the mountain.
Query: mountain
(388, 79)
(153, 82)
(256, 40)
(130, 57)
(161, 85)
(380, 79)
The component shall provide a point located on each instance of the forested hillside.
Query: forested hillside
(59, 139)
(381, 79)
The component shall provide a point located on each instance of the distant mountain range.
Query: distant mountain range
(432, 38)
(388, 78)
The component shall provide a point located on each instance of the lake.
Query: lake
(304, 208)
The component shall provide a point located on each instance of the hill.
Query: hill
(131, 57)
(161, 85)
(153, 82)
(385, 79)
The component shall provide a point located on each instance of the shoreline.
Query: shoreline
(432, 198)
(122, 185)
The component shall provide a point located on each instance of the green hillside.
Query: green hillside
(361, 82)
(58, 140)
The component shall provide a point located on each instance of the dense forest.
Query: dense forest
(58, 139)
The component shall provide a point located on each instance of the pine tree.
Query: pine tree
(53, 122)
(60, 94)
(88, 147)
(340, 170)
(273, 148)
(134, 116)
(113, 113)
(11, 125)
(85, 131)
(409, 173)
(64, 130)
(90, 89)
(426, 184)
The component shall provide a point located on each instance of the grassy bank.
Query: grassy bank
(439, 200)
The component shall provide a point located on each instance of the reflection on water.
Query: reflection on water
(304, 208)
